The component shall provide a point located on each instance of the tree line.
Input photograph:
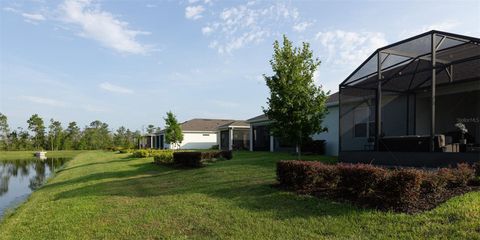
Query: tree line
(37, 136)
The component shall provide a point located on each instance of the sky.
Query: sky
(129, 62)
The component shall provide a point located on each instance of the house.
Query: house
(408, 102)
(198, 133)
(234, 135)
(262, 140)
(149, 140)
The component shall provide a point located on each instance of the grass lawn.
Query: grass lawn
(7, 155)
(103, 195)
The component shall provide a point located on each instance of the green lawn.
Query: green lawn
(102, 195)
(7, 155)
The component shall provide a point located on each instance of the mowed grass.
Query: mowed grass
(103, 195)
(9, 155)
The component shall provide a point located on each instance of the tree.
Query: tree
(55, 135)
(120, 138)
(36, 125)
(173, 132)
(4, 132)
(96, 136)
(71, 136)
(296, 105)
(150, 129)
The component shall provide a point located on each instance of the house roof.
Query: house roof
(202, 124)
(406, 65)
(332, 100)
(236, 123)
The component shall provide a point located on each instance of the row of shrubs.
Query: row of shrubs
(144, 153)
(198, 159)
(405, 190)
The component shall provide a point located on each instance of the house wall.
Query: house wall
(331, 136)
(197, 140)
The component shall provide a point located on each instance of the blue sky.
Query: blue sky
(128, 62)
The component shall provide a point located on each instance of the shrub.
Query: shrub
(401, 189)
(306, 176)
(141, 153)
(197, 159)
(163, 157)
(360, 181)
(214, 147)
(457, 177)
(476, 166)
(188, 159)
(367, 185)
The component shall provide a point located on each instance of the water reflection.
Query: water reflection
(18, 178)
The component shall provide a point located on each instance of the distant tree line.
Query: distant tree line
(96, 135)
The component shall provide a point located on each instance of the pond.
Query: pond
(20, 177)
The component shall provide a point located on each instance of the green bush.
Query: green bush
(163, 157)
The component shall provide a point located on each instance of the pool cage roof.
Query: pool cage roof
(407, 65)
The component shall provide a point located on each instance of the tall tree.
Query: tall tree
(97, 136)
(72, 136)
(4, 132)
(55, 135)
(296, 105)
(36, 125)
(120, 138)
(173, 131)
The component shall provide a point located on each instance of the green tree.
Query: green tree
(55, 135)
(296, 105)
(173, 131)
(4, 132)
(96, 136)
(72, 136)
(120, 138)
(36, 125)
(151, 129)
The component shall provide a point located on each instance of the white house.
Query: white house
(262, 140)
(197, 134)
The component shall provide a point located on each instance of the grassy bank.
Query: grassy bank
(111, 196)
(10, 155)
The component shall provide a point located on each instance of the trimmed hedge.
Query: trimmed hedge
(198, 159)
(163, 157)
(144, 153)
(406, 190)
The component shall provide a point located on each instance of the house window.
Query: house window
(363, 123)
(206, 134)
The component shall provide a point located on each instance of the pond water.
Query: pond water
(20, 177)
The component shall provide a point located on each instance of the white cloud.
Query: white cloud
(239, 26)
(34, 16)
(207, 30)
(10, 9)
(103, 27)
(151, 6)
(115, 88)
(194, 12)
(348, 48)
(44, 101)
(302, 26)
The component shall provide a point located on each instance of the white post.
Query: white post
(251, 138)
(272, 144)
(230, 138)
